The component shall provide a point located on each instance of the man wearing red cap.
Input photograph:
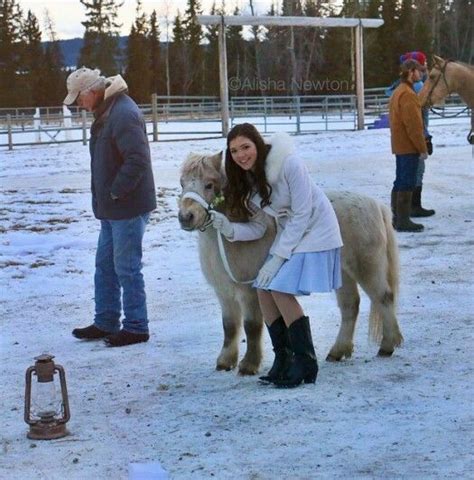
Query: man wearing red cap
(420, 57)
(417, 209)
(408, 144)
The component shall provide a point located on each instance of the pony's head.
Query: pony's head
(204, 176)
(436, 87)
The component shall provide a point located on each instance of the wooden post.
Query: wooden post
(154, 111)
(360, 75)
(328, 22)
(9, 127)
(84, 127)
(223, 79)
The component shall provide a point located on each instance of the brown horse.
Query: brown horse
(369, 261)
(446, 77)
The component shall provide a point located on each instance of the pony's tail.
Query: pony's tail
(393, 274)
(393, 278)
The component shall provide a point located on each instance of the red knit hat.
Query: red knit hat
(420, 57)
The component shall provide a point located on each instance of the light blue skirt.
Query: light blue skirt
(304, 273)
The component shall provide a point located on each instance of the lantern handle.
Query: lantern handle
(65, 398)
(29, 372)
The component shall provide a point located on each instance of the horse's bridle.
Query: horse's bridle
(442, 75)
(209, 207)
(442, 69)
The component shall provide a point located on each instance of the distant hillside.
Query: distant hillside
(71, 48)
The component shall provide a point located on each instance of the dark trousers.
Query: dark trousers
(407, 167)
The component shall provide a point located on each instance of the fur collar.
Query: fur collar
(114, 85)
(282, 147)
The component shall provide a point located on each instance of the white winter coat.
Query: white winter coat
(305, 218)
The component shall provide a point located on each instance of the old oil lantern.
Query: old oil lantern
(46, 412)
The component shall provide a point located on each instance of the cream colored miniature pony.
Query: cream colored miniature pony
(369, 259)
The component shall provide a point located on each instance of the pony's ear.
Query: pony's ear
(216, 160)
(438, 60)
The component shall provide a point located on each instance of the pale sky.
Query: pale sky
(67, 15)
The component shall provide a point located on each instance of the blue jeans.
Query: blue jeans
(419, 173)
(406, 173)
(118, 264)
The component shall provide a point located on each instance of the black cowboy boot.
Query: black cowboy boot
(283, 354)
(416, 209)
(403, 222)
(304, 367)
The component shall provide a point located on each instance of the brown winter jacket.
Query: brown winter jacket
(406, 123)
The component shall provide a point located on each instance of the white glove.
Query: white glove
(222, 224)
(268, 271)
(423, 156)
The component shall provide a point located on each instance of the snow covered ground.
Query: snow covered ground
(407, 417)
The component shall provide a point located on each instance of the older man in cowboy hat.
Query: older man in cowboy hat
(123, 195)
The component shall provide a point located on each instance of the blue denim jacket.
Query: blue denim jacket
(120, 161)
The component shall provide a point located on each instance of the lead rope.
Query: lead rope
(208, 207)
(470, 137)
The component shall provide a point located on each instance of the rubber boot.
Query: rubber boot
(416, 209)
(283, 354)
(393, 206)
(304, 367)
(404, 224)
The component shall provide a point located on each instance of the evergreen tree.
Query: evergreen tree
(156, 72)
(453, 36)
(294, 8)
(194, 66)
(384, 48)
(10, 53)
(291, 8)
(235, 53)
(372, 47)
(407, 35)
(422, 37)
(138, 72)
(32, 61)
(253, 55)
(211, 70)
(276, 63)
(177, 61)
(100, 48)
(313, 39)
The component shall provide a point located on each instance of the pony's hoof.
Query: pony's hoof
(331, 358)
(247, 370)
(384, 353)
(224, 368)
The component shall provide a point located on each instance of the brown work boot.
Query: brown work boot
(90, 333)
(124, 338)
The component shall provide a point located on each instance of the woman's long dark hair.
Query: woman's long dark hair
(241, 183)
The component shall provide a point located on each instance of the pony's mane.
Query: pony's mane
(464, 64)
(196, 164)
